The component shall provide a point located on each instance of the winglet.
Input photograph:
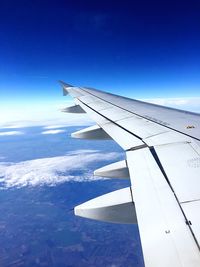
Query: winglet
(65, 86)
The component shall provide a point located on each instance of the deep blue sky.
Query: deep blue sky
(135, 48)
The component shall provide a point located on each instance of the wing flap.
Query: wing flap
(125, 139)
(141, 127)
(166, 238)
(181, 163)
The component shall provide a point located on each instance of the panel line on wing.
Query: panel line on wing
(136, 147)
(188, 201)
(113, 121)
(140, 115)
(154, 154)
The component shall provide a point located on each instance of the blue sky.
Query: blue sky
(142, 49)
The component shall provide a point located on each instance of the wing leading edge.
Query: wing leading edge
(162, 148)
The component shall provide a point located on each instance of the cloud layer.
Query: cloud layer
(75, 166)
(11, 133)
(185, 103)
(39, 114)
(56, 126)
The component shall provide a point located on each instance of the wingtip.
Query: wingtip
(66, 85)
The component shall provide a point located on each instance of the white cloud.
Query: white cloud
(12, 125)
(186, 103)
(11, 133)
(56, 126)
(52, 171)
(54, 123)
(168, 101)
(53, 131)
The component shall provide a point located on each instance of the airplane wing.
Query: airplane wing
(162, 148)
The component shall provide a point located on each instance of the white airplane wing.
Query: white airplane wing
(162, 148)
